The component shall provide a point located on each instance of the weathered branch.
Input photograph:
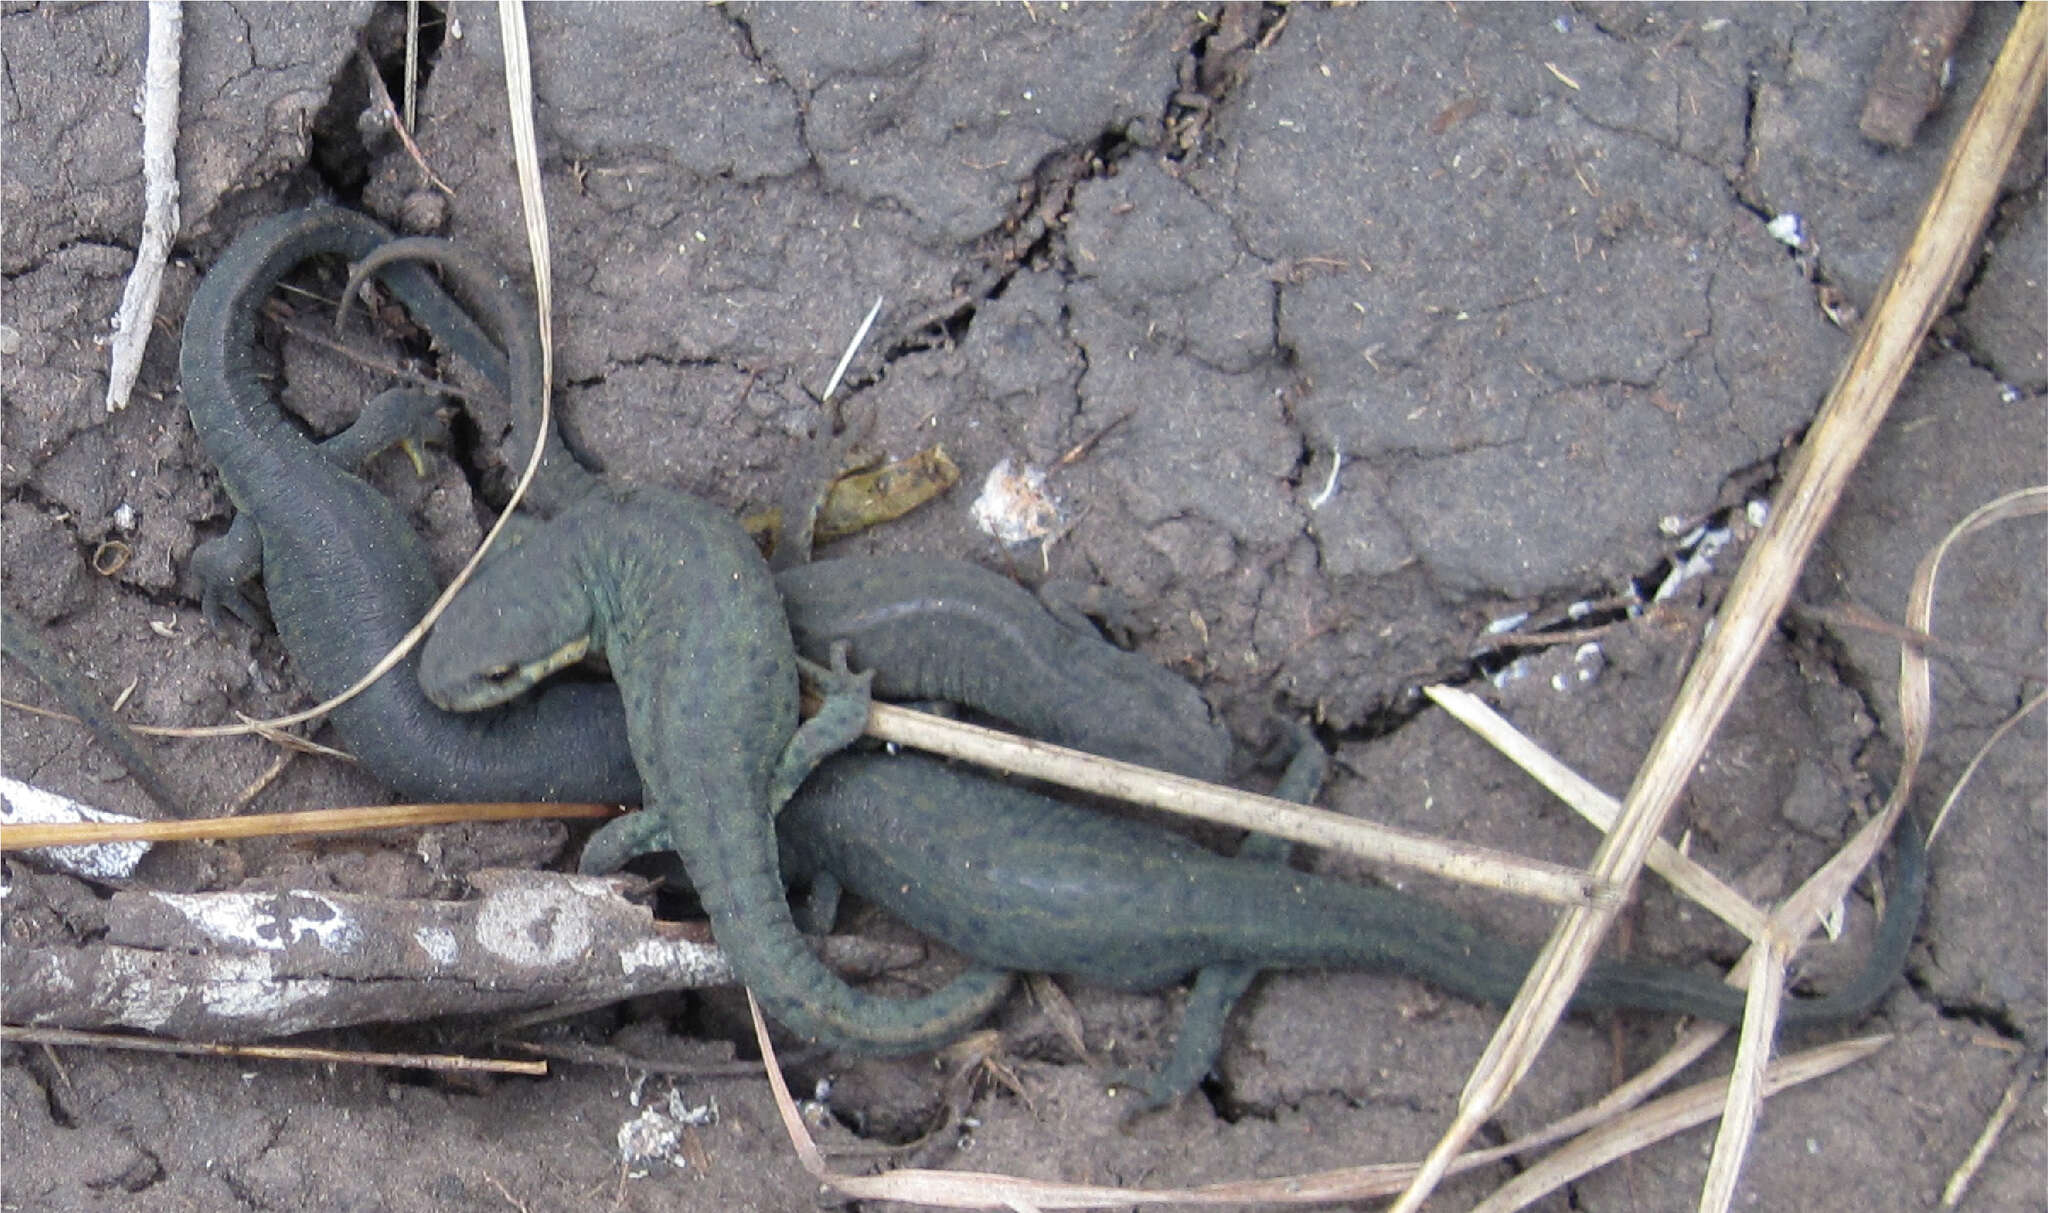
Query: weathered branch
(242, 966)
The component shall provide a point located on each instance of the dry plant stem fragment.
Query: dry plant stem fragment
(418, 1061)
(265, 825)
(137, 316)
(253, 965)
(1228, 806)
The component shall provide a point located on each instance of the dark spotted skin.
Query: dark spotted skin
(833, 820)
(963, 640)
(1015, 879)
(927, 627)
(933, 628)
(345, 574)
(347, 578)
(672, 592)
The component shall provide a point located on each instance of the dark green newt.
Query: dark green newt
(347, 577)
(931, 628)
(829, 818)
(345, 574)
(862, 598)
(674, 595)
(1017, 880)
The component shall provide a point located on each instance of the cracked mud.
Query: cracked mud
(1373, 326)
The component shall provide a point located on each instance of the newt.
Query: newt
(676, 598)
(672, 592)
(346, 576)
(1015, 879)
(829, 819)
(859, 600)
(936, 628)
(927, 627)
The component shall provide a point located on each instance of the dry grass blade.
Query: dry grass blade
(1589, 802)
(2029, 1072)
(1229, 806)
(1765, 973)
(1917, 287)
(860, 335)
(145, 1044)
(136, 317)
(792, 1121)
(309, 821)
(2005, 726)
(1857, 619)
(401, 124)
(623, 1059)
(269, 731)
(1662, 1118)
(519, 87)
(264, 778)
(1916, 711)
(318, 334)
(412, 62)
(1603, 1140)
(1792, 919)
(533, 203)
(1916, 675)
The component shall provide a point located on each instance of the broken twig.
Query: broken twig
(355, 1057)
(137, 316)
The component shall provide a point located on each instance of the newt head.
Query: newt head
(517, 622)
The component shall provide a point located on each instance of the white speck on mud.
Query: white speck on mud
(1705, 545)
(1507, 623)
(1015, 506)
(656, 1134)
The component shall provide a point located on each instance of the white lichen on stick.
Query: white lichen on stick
(255, 963)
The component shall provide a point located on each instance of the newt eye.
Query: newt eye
(499, 675)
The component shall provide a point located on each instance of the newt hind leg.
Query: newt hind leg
(839, 723)
(1218, 988)
(406, 418)
(622, 840)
